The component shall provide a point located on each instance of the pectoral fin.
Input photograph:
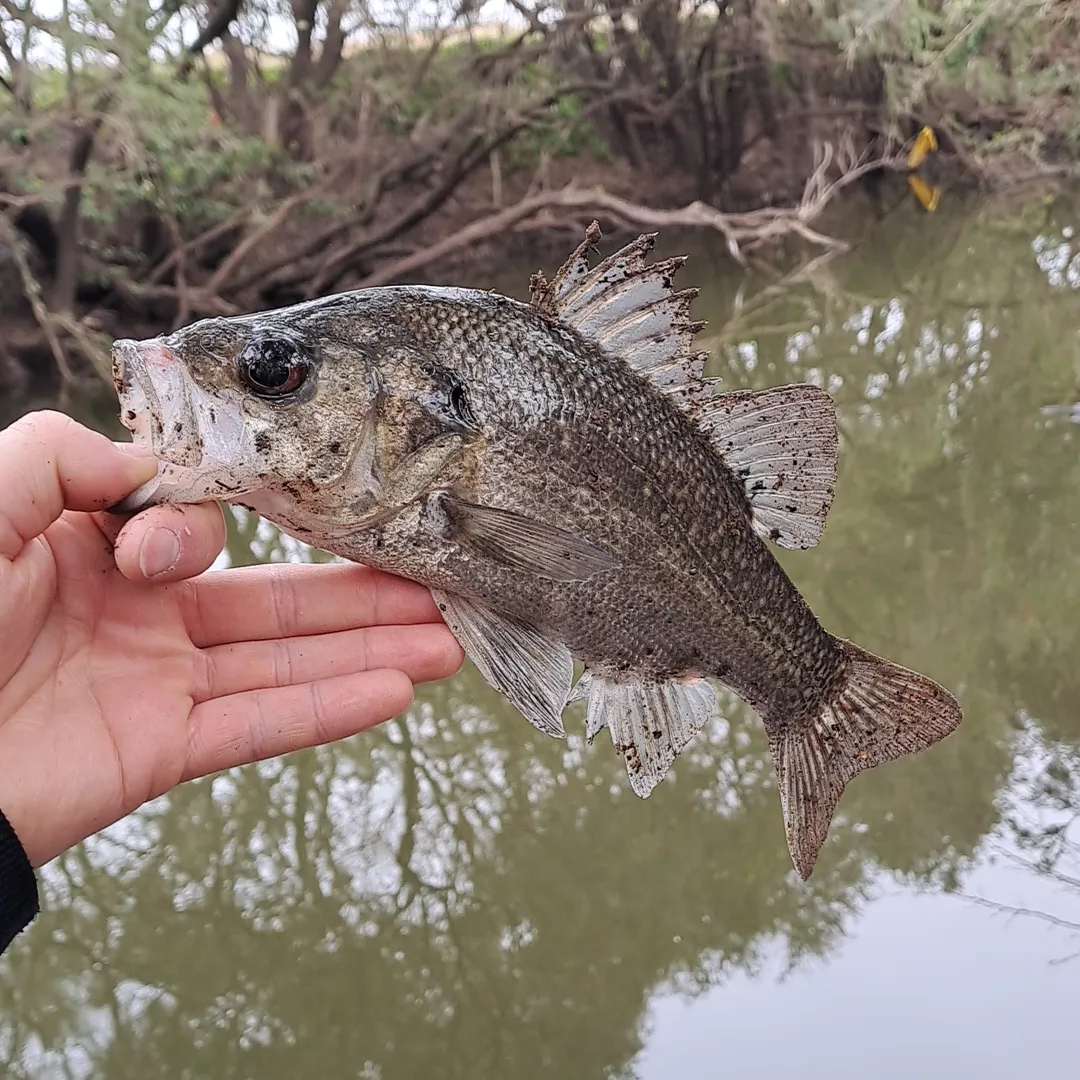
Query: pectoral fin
(534, 672)
(515, 540)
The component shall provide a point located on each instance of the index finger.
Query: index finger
(258, 603)
(48, 464)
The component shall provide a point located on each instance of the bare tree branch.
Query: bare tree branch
(220, 20)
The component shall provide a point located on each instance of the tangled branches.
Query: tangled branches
(206, 172)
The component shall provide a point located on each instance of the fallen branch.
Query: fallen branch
(272, 224)
(738, 230)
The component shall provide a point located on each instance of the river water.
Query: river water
(455, 895)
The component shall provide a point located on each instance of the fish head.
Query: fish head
(277, 403)
(327, 412)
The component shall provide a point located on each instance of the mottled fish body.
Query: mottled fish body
(569, 487)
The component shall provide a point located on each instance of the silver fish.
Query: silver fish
(569, 487)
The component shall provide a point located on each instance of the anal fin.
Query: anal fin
(650, 723)
(782, 444)
(882, 712)
(533, 671)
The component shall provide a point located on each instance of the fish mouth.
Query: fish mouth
(154, 402)
(199, 441)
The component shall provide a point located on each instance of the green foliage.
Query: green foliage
(564, 131)
(163, 149)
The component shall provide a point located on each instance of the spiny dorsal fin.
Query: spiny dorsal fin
(631, 309)
(782, 444)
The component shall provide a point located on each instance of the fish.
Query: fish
(572, 490)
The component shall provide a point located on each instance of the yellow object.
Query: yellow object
(928, 196)
(925, 143)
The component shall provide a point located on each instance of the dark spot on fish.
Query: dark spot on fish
(774, 533)
(130, 414)
(334, 448)
(442, 607)
(263, 442)
(758, 485)
(178, 428)
(213, 415)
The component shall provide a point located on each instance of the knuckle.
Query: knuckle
(283, 604)
(281, 664)
(321, 713)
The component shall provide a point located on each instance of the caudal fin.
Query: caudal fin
(882, 712)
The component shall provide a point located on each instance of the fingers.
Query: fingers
(26, 594)
(170, 543)
(265, 723)
(49, 463)
(258, 603)
(424, 653)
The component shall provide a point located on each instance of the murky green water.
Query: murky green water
(453, 895)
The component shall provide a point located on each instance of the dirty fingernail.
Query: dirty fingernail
(159, 553)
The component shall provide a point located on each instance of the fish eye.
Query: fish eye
(273, 366)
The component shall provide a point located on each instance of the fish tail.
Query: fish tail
(880, 712)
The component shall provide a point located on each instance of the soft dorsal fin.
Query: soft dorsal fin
(782, 444)
(631, 309)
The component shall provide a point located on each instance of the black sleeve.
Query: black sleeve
(18, 886)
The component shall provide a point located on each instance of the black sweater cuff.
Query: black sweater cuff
(18, 886)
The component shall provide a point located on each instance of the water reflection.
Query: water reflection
(455, 895)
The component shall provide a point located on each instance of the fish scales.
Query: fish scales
(569, 487)
(697, 590)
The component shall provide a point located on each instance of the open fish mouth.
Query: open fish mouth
(198, 440)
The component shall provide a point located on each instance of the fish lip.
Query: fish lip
(155, 399)
(138, 398)
(172, 434)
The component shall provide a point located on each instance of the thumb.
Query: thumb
(49, 464)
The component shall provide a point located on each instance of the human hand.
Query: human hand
(120, 678)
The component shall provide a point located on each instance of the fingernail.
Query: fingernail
(134, 449)
(159, 553)
(143, 464)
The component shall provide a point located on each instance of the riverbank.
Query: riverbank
(137, 202)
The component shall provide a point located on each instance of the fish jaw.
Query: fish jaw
(204, 444)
